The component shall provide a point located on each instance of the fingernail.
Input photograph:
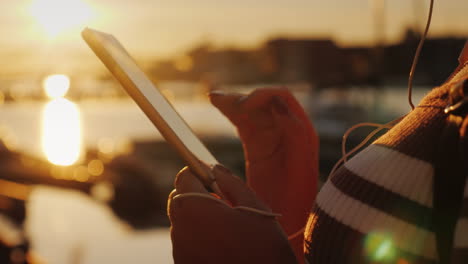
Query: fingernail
(221, 169)
(217, 93)
(279, 106)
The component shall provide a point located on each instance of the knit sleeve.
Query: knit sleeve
(378, 207)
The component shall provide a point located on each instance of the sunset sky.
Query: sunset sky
(40, 33)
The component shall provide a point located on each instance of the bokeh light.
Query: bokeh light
(379, 247)
(95, 167)
(81, 174)
(124, 146)
(59, 173)
(106, 145)
(56, 85)
(103, 191)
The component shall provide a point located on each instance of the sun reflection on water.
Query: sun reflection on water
(61, 125)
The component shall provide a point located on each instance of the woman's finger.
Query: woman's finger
(235, 190)
(228, 104)
(170, 205)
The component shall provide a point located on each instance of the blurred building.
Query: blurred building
(319, 62)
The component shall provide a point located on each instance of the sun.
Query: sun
(57, 16)
(56, 85)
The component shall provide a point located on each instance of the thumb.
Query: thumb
(236, 191)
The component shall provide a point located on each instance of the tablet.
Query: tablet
(153, 103)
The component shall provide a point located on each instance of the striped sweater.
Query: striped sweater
(379, 206)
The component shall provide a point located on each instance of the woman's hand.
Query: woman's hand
(205, 229)
(281, 151)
